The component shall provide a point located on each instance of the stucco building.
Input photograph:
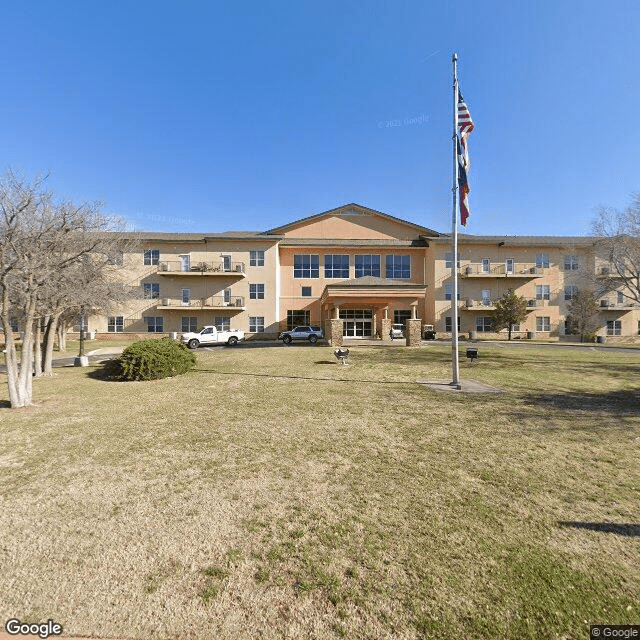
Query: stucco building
(362, 267)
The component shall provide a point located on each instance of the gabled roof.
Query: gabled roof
(345, 210)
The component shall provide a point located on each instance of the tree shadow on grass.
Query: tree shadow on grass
(292, 377)
(622, 402)
(622, 529)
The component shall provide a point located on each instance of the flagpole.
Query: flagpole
(454, 233)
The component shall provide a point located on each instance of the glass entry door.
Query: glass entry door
(357, 323)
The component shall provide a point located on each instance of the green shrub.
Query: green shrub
(155, 359)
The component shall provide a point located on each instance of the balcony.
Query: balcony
(178, 268)
(607, 305)
(534, 303)
(479, 305)
(520, 270)
(236, 303)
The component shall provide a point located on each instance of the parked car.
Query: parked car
(397, 331)
(302, 333)
(428, 333)
(210, 335)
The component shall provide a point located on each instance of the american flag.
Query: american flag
(465, 124)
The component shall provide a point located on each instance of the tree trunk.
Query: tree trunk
(49, 339)
(37, 348)
(20, 376)
(62, 335)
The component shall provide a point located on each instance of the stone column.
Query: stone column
(335, 333)
(413, 330)
(385, 329)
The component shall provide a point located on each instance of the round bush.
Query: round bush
(155, 359)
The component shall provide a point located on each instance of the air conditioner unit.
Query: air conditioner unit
(604, 303)
(164, 266)
(165, 302)
(532, 303)
(604, 271)
(469, 302)
(535, 270)
(238, 302)
(239, 268)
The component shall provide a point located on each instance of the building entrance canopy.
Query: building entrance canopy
(372, 293)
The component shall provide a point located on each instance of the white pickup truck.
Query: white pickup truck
(210, 335)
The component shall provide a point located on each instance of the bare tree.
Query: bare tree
(618, 243)
(39, 240)
(583, 314)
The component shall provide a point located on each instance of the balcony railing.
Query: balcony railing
(607, 305)
(210, 268)
(216, 302)
(500, 270)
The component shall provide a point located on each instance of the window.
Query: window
(400, 316)
(542, 260)
(256, 258)
(336, 266)
(256, 324)
(614, 328)
(115, 324)
(486, 297)
(570, 292)
(15, 325)
(448, 260)
(448, 292)
(398, 266)
(306, 292)
(448, 323)
(222, 323)
(155, 324)
(226, 296)
(151, 290)
(620, 295)
(256, 291)
(486, 265)
(367, 265)
(484, 323)
(306, 266)
(542, 292)
(151, 256)
(509, 265)
(296, 318)
(571, 263)
(189, 324)
(543, 323)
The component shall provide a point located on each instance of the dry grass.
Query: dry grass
(273, 493)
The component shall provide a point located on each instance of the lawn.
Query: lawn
(274, 493)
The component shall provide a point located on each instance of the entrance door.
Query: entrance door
(185, 263)
(357, 323)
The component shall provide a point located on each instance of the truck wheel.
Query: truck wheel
(232, 341)
(313, 339)
(287, 339)
(193, 344)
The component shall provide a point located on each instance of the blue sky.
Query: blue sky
(209, 116)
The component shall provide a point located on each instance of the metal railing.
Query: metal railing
(212, 301)
(217, 267)
(500, 269)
